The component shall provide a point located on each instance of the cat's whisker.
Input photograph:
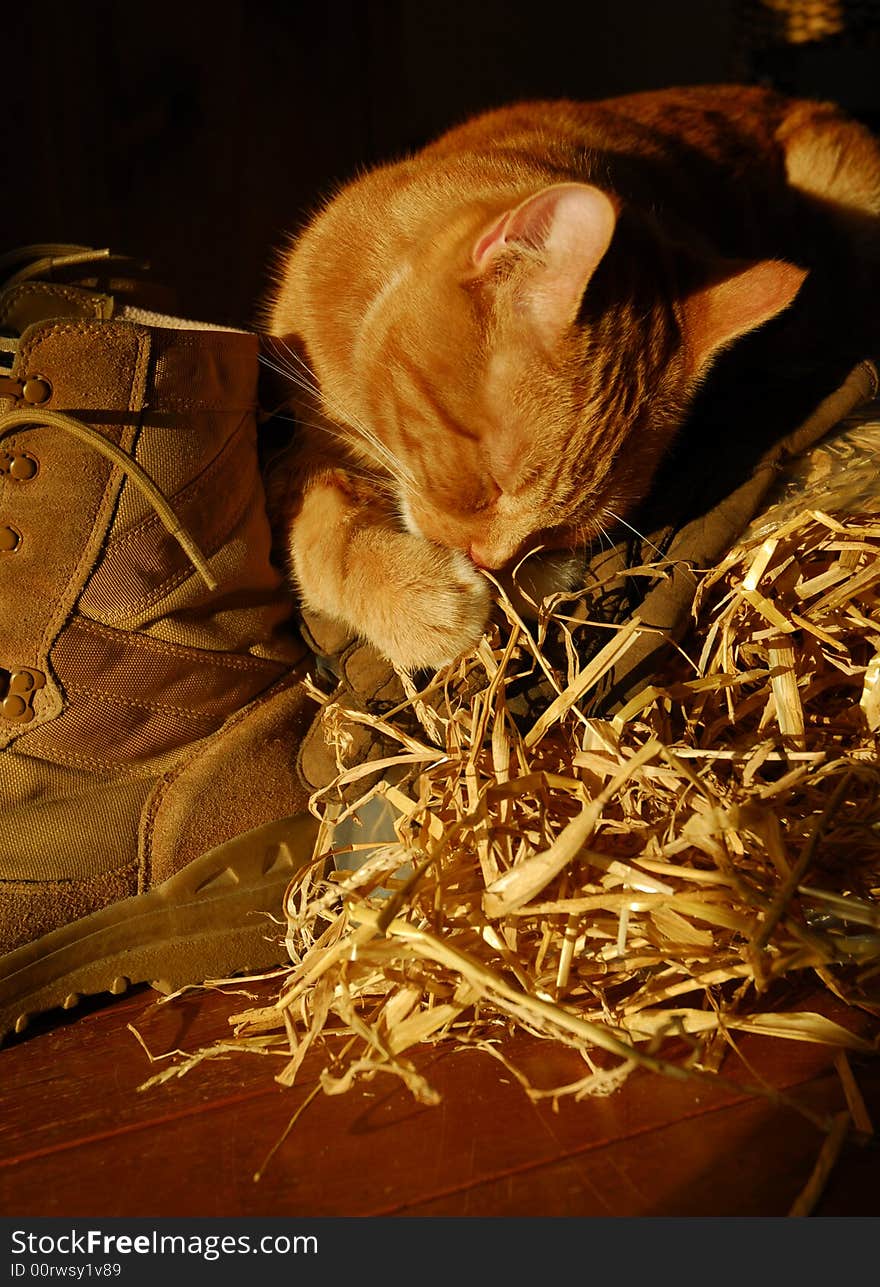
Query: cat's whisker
(298, 375)
(371, 446)
(604, 536)
(293, 378)
(277, 415)
(635, 531)
(272, 365)
(663, 555)
(380, 453)
(288, 356)
(297, 358)
(379, 481)
(392, 462)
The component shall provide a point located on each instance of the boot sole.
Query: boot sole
(213, 919)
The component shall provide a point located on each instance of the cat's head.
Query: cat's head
(517, 365)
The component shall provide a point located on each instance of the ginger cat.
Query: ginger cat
(491, 344)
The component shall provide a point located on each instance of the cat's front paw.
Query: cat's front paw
(436, 609)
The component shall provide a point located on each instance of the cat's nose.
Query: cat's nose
(482, 557)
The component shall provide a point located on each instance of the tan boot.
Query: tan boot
(151, 704)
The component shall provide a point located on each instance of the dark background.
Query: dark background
(197, 135)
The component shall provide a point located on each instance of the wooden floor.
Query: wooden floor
(77, 1137)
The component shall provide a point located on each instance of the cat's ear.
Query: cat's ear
(716, 315)
(563, 232)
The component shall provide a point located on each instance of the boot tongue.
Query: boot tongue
(28, 303)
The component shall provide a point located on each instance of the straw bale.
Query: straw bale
(636, 885)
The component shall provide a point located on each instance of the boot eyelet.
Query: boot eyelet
(10, 540)
(24, 467)
(17, 691)
(37, 390)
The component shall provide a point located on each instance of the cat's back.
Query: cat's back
(711, 120)
(702, 163)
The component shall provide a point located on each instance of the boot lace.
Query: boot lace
(19, 686)
(12, 420)
(40, 261)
